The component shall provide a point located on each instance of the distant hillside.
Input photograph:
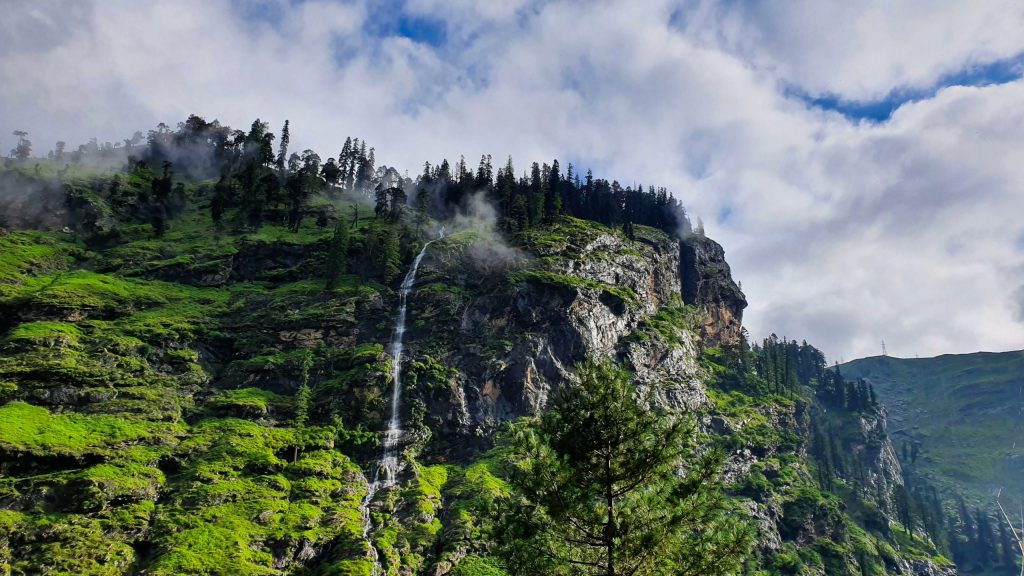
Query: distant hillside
(965, 412)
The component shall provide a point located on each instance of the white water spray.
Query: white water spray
(389, 457)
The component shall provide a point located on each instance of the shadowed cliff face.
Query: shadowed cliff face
(707, 283)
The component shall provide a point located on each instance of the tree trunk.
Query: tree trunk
(609, 528)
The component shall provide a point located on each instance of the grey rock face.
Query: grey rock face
(562, 311)
(707, 282)
(877, 455)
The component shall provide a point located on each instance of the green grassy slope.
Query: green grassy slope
(965, 411)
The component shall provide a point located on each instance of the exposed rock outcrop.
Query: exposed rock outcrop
(707, 282)
(524, 331)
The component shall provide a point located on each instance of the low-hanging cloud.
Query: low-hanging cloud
(842, 232)
(489, 252)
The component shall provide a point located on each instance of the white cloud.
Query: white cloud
(842, 233)
(860, 50)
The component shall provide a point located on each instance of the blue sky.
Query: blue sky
(980, 74)
(861, 162)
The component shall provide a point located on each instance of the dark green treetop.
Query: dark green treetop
(603, 485)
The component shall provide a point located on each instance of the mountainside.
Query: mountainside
(958, 424)
(962, 416)
(201, 388)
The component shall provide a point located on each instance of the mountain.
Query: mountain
(959, 422)
(212, 373)
(961, 415)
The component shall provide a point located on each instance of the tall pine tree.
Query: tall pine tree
(596, 489)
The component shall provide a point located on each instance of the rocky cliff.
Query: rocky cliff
(513, 333)
(707, 283)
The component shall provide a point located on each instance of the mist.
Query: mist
(489, 250)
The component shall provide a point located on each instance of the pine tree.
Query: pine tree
(519, 215)
(282, 153)
(302, 183)
(380, 206)
(596, 490)
(221, 199)
(398, 201)
(422, 205)
(159, 208)
(337, 255)
(331, 172)
(364, 168)
(303, 402)
(553, 195)
(390, 254)
(347, 161)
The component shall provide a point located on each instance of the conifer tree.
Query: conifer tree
(380, 206)
(390, 254)
(422, 204)
(331, 172)
(303, 403)
(282, 153)
(519, 215)
(596, 489)
(337, 254)
(552, 194)
(221, 199)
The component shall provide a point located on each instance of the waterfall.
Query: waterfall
(389, 456)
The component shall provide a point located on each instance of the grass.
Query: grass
(45, 333)
(84, 290)
(626, 295)
(245, 401)
(567, 237)
(34, 430)
(755, 422)
(239, 499)
(675, 323)
(24, 254)
(964, 413)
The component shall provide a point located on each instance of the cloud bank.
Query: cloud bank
(843, 230)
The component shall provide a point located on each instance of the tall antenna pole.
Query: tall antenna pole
(883, 348)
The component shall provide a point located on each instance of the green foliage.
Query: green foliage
(675, 323)
(83, 290)
(45, 333)
(751, 426)
(237, 500)
(23, 254)
(596, 490)
(337, 255)
(33, 430)
(244, 401)
(477, 566)
(624, 295)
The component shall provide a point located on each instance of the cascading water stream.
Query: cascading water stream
(389, 456)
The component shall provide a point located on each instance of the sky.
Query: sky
(862, 162)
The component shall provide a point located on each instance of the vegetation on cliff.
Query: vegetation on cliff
(955, 423)
(192, 375)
